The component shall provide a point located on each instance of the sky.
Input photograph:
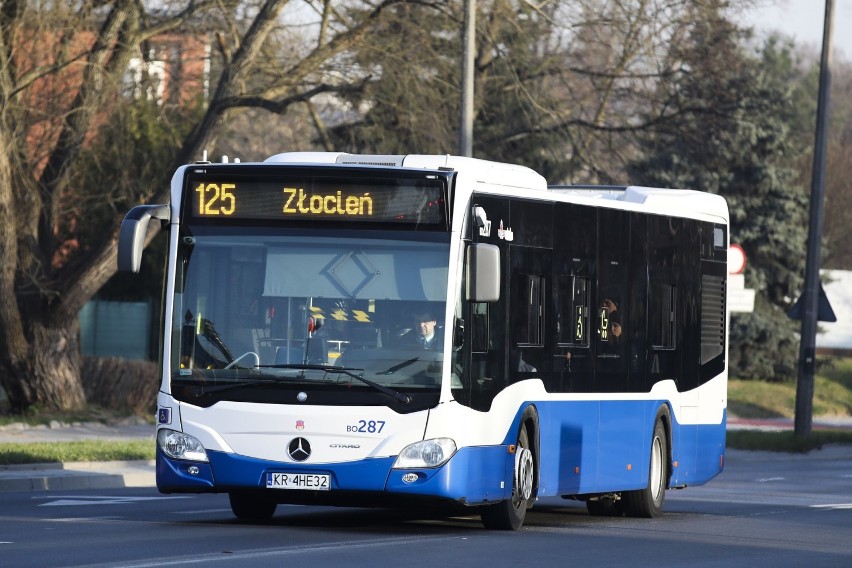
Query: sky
(804, 21)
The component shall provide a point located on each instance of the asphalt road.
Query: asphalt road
(765, 510)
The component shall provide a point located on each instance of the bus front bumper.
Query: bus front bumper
(473, 476)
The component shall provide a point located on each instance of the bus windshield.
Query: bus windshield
(295, 307)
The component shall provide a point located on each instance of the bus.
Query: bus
(581, 332)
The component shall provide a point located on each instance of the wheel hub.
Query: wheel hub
(524, 472)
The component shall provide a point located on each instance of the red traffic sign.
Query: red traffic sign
(736, 259)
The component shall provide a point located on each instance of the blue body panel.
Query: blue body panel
(604, 446)
(585, 447)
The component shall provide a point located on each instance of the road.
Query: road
(765, 510)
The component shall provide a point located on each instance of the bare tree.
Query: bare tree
(61, 74)
(838, 188)
(563, 87)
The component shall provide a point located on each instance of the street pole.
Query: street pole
(468, 55)
(807, 350)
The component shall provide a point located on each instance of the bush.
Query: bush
(123, 385)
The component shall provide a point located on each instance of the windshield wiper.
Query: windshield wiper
(202, 390)
(397, 367)
(396, 395)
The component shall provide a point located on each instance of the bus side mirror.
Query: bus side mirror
(131, 237)
(483, 273)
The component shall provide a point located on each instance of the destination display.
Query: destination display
(403, 200)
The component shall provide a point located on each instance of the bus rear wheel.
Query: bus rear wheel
(252, 506)
(510, 513)
(648, 502)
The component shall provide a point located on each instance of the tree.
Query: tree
(799, 69)
(558, 86)
(729, 134)
(59, 79)
(62, 73)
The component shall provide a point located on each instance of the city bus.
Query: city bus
(581, 332)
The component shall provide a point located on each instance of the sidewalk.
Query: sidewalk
(110, 475)
(781, 424)
(77, 475)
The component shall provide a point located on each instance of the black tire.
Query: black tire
(648, 502)
(252, 506)
(510, 513)
(605, 507)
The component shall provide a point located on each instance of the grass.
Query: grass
(760, 399)
(89, 450)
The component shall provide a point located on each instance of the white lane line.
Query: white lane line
(247, 555)
(201, 512)
(65, 500)
(836, 506)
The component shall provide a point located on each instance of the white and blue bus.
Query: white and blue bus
(578, 336)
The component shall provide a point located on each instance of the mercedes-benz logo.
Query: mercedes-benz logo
(299, 449)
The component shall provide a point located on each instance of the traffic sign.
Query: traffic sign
(736, 259)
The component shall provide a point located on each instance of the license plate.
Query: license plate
(310, 481)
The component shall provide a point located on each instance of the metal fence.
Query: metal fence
(116, 329)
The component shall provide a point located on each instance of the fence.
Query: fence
(116, 329)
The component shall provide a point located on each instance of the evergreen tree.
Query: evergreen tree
(728, 132)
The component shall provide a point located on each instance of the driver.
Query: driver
(425, 334)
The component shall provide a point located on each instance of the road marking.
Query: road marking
(202, 512)
(66, 500)
(245, 556)
(837, 506)
(769, 479)
(99, 518)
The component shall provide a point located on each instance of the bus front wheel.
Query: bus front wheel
(648, 502)
(510, 513)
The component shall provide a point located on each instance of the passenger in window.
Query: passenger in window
(610, 325)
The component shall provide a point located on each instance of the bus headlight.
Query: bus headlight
(428, 453)
(180, 446)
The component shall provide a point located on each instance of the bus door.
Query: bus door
(621, 436)
(612, 328)
(574, 319)
(574, 256)
(479, 362)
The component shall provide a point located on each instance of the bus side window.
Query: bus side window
(528, 320)
(663, 317)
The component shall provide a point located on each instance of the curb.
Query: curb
(77, 475)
